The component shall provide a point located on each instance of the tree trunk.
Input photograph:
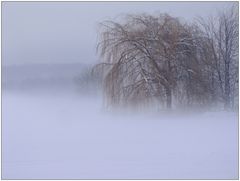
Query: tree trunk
(169, 98)
(227, 87)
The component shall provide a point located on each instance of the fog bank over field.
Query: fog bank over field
(63, 132)
(67, 136)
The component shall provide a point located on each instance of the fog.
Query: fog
(64, 135)
(55, 122)
(62, 32)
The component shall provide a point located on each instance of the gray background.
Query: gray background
(66, 32)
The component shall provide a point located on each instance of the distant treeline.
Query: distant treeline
(28, 77)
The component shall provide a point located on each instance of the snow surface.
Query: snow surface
(64, 135)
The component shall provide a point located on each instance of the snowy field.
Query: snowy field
(67, 136)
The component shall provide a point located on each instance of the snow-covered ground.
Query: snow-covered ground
(68, 136)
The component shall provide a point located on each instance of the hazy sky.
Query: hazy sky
(62, 32)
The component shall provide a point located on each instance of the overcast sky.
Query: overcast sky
(66, 32)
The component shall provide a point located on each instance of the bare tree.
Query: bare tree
(143, 55)
(220, 47)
